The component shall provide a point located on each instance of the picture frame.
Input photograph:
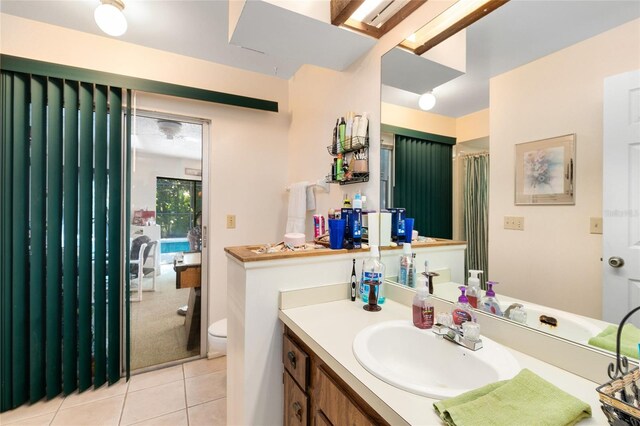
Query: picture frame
(545, 171)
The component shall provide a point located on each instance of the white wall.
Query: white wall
(147, 168)
(248, 148)
(414, 119)
(558, 261)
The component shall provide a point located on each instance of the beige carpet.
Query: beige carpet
(158, 334)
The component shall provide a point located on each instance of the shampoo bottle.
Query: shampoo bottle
(372, 271)
(473, 292)
(336, 138)
(349, 129)
(489, 302)
(342, 130)
(423, 311)
(462, 309)
(339, 169)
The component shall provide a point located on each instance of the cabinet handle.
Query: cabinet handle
(292, 358)
(297, 409)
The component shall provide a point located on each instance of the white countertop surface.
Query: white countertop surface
(329, 329)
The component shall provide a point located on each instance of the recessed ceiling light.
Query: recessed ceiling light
(110, 18)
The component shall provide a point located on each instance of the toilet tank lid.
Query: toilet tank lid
(218, 328)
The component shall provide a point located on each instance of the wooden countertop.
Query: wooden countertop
(244, 253)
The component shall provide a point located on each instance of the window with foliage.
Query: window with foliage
(178, 202)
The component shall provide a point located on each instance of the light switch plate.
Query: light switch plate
(515, 223)
(231, 221)
(596, 225)
(518, 223)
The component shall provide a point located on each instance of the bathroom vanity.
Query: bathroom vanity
(308, 292)
(254, 283)
(329, 340)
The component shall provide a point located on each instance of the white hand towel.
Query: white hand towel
(311, 198)
(297, 207)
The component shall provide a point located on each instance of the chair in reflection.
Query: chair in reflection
(142, 263)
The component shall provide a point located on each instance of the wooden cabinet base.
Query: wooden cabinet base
(328, 400)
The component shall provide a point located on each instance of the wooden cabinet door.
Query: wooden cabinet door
(335, 404)
(320, 419)
(295, 403)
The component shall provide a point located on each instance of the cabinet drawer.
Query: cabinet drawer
(296, 403)
(296, 362)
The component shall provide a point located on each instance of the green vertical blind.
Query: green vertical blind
(423, 184)
(60, 225)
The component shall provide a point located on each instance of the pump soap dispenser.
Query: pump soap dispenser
(473, 293)
(462, 309)
(489, 302)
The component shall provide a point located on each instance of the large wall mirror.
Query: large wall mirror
(529, 71)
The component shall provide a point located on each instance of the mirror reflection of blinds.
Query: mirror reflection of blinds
(423, 184)
(60, 223)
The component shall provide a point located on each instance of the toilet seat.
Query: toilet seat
(218, 328)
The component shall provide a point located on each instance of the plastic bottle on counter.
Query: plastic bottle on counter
(474, 292)
(372, 271)
(489, 303)
(407, 274)
(462, 311)
(423, 310)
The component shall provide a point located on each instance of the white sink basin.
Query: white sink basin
(420, 362)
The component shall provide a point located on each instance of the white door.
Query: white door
(621, 197)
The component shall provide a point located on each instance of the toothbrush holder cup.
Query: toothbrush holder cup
(336, 233)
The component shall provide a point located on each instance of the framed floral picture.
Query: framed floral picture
(545, 171)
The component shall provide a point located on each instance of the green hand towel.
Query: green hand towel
(527, 399)
(628, 341)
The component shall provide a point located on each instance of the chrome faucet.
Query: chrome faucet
(455, 335)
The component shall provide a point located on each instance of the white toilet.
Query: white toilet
(217, 339)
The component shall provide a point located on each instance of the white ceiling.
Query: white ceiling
(149, 139)
(515, 34)
(267, 39)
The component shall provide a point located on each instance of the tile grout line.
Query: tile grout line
(186, 404)
(156, 417)
(55, 413)
(124, 402)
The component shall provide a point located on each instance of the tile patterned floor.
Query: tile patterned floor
(192, 394)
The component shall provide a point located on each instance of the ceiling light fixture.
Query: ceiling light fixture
(427, 101)
(110, 18)
(169, 128)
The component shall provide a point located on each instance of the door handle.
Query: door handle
(297, 409)
(204, 236)
(616, 262)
